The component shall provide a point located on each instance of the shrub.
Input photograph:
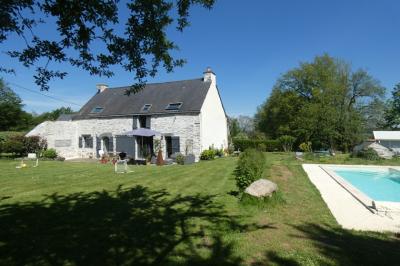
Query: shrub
(180, 159)
(49, 154)
(287, 142)
(60, 158)
(272, 145)
(21, 145)
(250, 168)
(34, 144)
(306, 146)
(14, 144)
(368, 154)
(262, 145)
(219, 153)
(207, 154)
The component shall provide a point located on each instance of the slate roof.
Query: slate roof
(65, 117)
(191, 93)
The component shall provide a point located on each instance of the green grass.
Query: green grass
(65, 213)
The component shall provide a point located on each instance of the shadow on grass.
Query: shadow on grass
(233, 193)
(124, 227)
(337, 246)
(272, 256)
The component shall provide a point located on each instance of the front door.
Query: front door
(145, 147)
(106, 143)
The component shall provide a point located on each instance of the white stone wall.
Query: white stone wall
(54, 131)
(101, 127)
(184, 126)
(214, 125)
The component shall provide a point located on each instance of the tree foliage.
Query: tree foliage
(10, 108)
(322, 102)
(246, 124)
(287, 142)
(392, 113)
(14, 118)
(234, 128)
(138, 42)
(52, 115)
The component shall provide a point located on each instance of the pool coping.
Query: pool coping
(372, 205)
(346, 209)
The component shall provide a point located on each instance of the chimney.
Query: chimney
(209, 76)
(101, 87)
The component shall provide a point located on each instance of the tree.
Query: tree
(246, 124)
(286, 142)
(234, 128)
(10, 108)
(374, 116)
(139, 42)
(392, 113)
(53, 115)
(322, 102)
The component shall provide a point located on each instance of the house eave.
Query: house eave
(134, 114)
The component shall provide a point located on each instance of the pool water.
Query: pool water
(382, 184)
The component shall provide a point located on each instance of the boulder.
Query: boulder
(261, 188)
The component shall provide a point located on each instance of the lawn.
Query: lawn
(64, 213)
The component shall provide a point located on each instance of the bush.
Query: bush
(15, 144)
(208, 154)
(21, 145)
(261, 145)
(49, 154)
(34, 144)
(60, 158)
(219, 153)
(287, 142)
(306, 146)
(250, 168)
(180, 159)
(368, 154)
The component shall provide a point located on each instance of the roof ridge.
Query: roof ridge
(156, 83)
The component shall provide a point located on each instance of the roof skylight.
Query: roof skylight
(146, 107)
(97, 110)
(173, 106)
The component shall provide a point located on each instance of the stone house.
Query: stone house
(187, 115)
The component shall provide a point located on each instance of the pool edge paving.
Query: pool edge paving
(347, 210)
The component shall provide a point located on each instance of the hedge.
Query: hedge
(21, 145)
(262, 145)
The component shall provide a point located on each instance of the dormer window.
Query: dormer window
(146, 107)
(97, 110)
(173, 106)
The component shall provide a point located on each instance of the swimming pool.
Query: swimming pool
(380, 184)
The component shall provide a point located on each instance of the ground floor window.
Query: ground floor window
(86, 141)
(172, 145)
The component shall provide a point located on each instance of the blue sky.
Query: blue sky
(249, 44)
